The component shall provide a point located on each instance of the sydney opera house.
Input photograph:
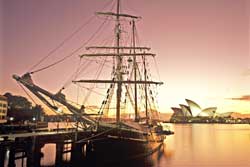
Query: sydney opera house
(193, 112)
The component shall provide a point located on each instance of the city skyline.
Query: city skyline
(202, 46)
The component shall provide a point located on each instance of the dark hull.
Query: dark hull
(119, 146)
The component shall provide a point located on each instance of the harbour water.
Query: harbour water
(208, 145)
(192, 145)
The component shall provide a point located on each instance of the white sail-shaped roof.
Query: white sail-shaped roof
(194, 107)
(209, 111)
(186, 110)
(177, 111)
(194, 110)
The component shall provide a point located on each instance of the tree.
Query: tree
(21, 108)
(38, 111)
(18, 102)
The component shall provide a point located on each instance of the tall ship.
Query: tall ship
(126, 123)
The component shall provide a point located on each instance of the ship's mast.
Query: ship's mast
(119, 52)
(119, 63)
(146, 92)
(118, 56)
(135, 70)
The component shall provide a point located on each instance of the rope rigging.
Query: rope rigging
(27, 93)
(32, 71)
(61, 44)
(98, 73)
(72, 53)
(125, 69)
(33, 98)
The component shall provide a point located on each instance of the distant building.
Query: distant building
(3, 109)
(193, 110)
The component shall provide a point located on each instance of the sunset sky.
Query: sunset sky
(202, 46)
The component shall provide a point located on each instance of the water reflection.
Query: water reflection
(192, 145)
(49, 155)
(208, 145)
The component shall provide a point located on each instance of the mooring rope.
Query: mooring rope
(99, 134)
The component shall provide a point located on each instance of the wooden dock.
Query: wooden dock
(28, 146)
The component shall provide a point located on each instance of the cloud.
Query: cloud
(242, 98)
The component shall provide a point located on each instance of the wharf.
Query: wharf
(27, 146)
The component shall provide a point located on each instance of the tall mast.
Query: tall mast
(135, 72)
(119, 63)
(118, 56)
(146, 92)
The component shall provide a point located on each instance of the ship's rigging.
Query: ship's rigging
(129, 80)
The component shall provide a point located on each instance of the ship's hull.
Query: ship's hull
(119, 146)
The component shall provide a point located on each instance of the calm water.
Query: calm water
(208, 145)
(192, 145)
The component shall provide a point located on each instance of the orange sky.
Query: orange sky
(202, 46)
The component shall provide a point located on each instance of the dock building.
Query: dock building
(3, 109)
